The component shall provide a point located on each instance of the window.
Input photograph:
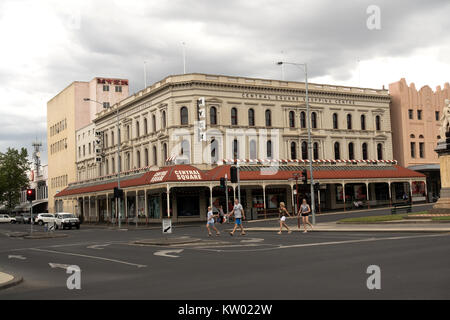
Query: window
(184, 116)
(351, 153)
(335, 121)
(316, 150)
(419, 114)
(138, 133)
(235, 149)
(268, 118)
(252, 149)
(113, 166)
(145, 126)
(413, 149)
(337, 151)
(138, 159)
(269, 149)
(410, 114)
(112, 137)
(118, 89)
(146, 157)
(185, 150)
(214, 147)
(364, 151)
(436, 114)
(380, 151)
(304, 150)
(128, 159)
(291, 119)
(163, 120)
(314, 120)
(128, 133)
(165, 152)
(154, 123)
(251, 117)
(79, 151)
(421, 149)
(234, 117)
(84, 150)
(105, 104)
(349, 121)
(363, 122)
(213, 115)
(378, 123)
(106, 140)
(155, 156)
(302, 119)
(105, 87)
(293, 150)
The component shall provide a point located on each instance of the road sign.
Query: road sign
(167, 226)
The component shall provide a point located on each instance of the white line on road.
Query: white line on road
(165, 253)
(98, 246)
(11, 256)
(59, 265)
(91, 257)
(252, 240)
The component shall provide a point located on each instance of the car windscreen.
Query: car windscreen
(66, 216)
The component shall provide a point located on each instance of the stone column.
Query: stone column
(443, 150)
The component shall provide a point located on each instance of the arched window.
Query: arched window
(213, 115)
(154, 123)
(291, 119)
(145, 126)
(235, 149)
(302, 119)
(251, 117)
(293, 150)
(378, 123)
(252, 149)
(184, 116)
(269, 149)
(304, 150)
(363, 122)
(314, 120)
(165, 152)
(214, 149)
(146, 157)
(138, 159)
(128, 159)
(335, 121)
(365, 155)
(163, 119)
(113, 165)
(155, 156)
(420, 136)
(380, 151)
(138, 131)
(337, 151)
(349, 121)
(268, 118)
(106, 167)
(185, 150)
(234, 117)
(106, 140)
(316, 150)
(351, 153)
(412, 136)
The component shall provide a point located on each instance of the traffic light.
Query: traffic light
(305, 176)
(233, 174)
(118, 193)
(222, 183)
(31, 194)
(316, 186)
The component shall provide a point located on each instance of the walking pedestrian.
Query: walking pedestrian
(304, 211)
(239, 214)
(283, 212)
(210, 223)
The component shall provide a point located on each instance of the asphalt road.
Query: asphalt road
(256, 266)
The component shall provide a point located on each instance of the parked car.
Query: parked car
(23, 218)
(43, 218)
(66, 220)
(4, 218)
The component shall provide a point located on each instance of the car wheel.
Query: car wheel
(41, 222)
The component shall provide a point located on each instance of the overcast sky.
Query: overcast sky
(48, 44)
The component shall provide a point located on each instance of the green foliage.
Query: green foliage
(13, 176)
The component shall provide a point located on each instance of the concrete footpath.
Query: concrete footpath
(8, 280)
(373, 227)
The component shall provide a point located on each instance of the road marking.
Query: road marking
(165, 253)
(91, 257)
(98, 246)
(58, 265)
(16, 257)
(252, 240)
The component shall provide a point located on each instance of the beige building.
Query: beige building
(416, 121)
(67, 112)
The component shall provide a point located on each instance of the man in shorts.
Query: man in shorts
(239, 214)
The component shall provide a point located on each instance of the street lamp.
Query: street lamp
(118, 154)
(305, 69)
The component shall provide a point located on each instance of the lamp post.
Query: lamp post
(118, 155)
(305, 69)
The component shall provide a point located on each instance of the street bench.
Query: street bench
(399, 207)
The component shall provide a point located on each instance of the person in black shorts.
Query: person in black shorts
(304, 211)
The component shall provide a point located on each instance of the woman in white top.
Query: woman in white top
(283, 212)
(210, 222)
(304, 211)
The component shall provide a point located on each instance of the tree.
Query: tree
(13, 176)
